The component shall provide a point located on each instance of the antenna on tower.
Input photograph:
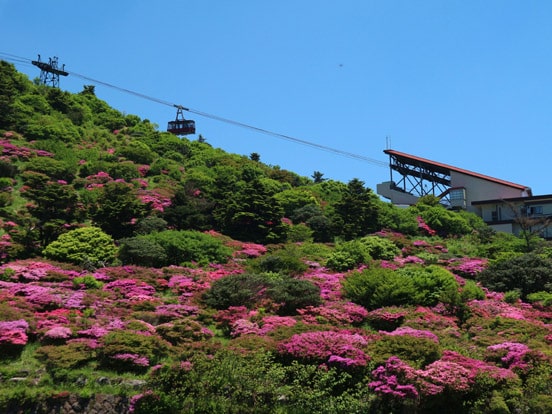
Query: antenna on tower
(387, 142)
(50, 72)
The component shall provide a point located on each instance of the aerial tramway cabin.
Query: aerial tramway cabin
(181, 126)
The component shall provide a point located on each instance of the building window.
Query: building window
(535, 210)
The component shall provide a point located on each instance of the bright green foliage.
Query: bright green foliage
(138, 152)
(528, 273)
(348, 255)
(471, 291)
(299, 233)
(432, 284)
(83, 245)
(398, 219)
(173, 247)
(378, 287)
(295, 198)
(380, 248)
(444, 221)
(53, 168)
(544, 298)
(89, 281)
(416, 351)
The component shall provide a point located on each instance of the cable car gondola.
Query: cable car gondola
(181, 126)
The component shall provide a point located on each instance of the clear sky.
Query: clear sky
(462, 82)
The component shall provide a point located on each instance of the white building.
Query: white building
(503, 205)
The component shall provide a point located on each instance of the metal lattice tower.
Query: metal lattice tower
(50, 72)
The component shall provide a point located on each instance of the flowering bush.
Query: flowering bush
(13, 334)
(341, 348)
(386, 318)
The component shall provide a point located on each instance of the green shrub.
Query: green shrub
(182, 331)
(416, 351)
(226, 382)
(59, 359)
(142, 251)
(117, 343)
(300, 233)
(89, 281)
(544, 298)
(528, 273)
(512, 296)
(432, 284)
(471, 291)
(252, 289)
(171, 247)
(380, 248)
(377, 287)
(285, 261)
(292, 294)
(348, 255)
(83, 245)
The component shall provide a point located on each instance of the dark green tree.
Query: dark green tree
(253, 214)
(317, 177)
(356, 214)
(12, 84)
(54, 205)
(189, 210)
(116, 208)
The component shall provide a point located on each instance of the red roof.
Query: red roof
(438, 165)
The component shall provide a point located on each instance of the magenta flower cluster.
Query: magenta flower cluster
(135, 359)
(14, 332)
(342, 347)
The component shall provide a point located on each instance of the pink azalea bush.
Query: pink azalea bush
(416, 333)
(14, 332)
(342, 347)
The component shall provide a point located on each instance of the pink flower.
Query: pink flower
(132, 358)
(58, 332)
(14, 332)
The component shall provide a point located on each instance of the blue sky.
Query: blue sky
(466, 82)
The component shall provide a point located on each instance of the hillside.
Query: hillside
(181, 278)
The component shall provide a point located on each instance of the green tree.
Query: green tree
(253, 214)
(356, 214)
(317, 177)
(55, 204)
(190, 209)
(12, 84)
(115, 209)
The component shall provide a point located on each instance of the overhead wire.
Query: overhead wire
(18, 59)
